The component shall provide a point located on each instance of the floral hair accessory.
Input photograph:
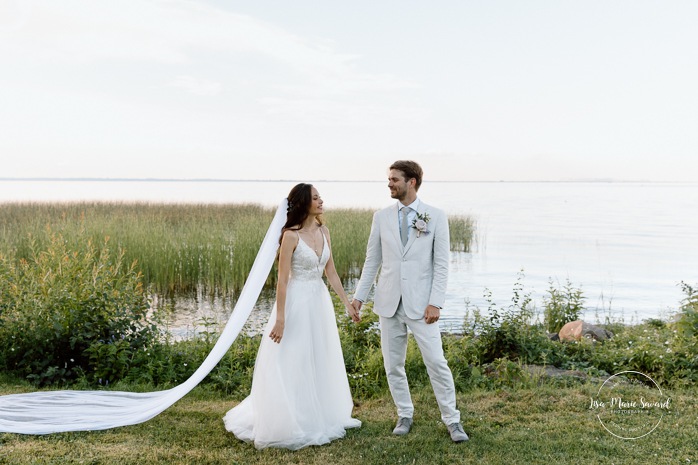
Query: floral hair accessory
(420, 223)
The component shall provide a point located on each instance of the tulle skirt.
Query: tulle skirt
(300, 393)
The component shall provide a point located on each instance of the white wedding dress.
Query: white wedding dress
(300, 393)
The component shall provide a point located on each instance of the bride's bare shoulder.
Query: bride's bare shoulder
(290, 236)
(326, 231)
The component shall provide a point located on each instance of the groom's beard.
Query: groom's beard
(398, 194)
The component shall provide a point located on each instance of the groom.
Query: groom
(409, 244)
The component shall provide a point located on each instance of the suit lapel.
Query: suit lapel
(393, 217)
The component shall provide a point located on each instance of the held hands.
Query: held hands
(277, 332)
(354, 310)
(432, 314)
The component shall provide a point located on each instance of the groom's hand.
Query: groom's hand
(432, 314)
(354, 310)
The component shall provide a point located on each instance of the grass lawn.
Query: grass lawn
(546, 425)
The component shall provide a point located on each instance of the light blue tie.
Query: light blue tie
(403, 224)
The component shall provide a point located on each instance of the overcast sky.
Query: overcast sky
(259, 89)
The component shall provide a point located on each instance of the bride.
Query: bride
(300, 393)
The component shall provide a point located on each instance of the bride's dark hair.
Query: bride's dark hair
(299, 201)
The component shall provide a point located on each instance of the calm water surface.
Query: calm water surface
(627, 245)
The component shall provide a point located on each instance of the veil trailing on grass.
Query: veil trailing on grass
(57, 411)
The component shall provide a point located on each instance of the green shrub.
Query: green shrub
(684, 346)
(509, 333)
(462, 359)
(666, 352)
(361, 348)
(687, 322)
(233, 374)
(71, 310)
(562, 306)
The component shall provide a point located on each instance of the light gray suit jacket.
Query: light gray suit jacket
(417, 272)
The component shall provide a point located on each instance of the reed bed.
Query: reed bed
(185, 248)
(462, 231)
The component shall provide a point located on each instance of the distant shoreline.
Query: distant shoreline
(197, 180)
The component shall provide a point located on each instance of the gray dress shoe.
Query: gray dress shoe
(457, 433)
(403, 426)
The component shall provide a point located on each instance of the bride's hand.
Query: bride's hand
(277, 332)
(353, 312)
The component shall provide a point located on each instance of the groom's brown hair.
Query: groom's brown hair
(410, 169)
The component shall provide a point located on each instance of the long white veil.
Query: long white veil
(56, 411)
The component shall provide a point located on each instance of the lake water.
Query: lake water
(626, 245)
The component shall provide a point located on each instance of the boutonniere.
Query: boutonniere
(420, 223)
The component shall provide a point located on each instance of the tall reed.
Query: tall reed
(182, 248)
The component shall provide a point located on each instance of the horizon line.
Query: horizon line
(98, 179)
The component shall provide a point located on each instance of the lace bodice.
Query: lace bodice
(305, 264)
